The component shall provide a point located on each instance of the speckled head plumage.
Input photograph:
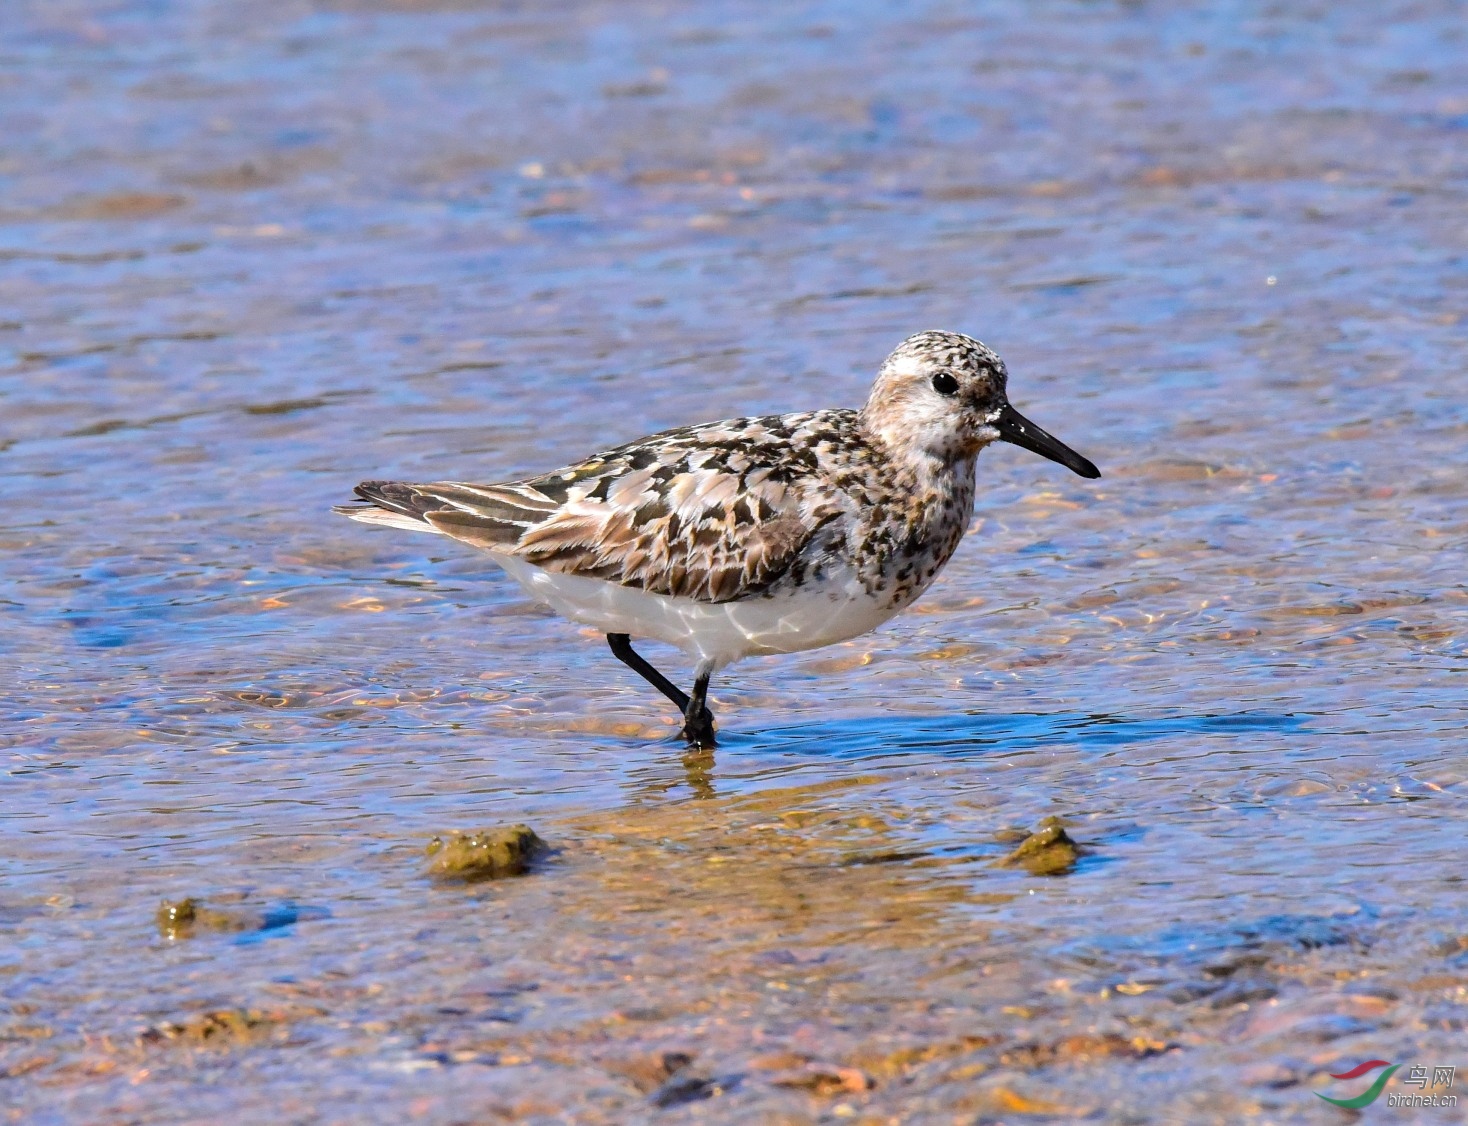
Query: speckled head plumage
(945, 395)
(938, 393)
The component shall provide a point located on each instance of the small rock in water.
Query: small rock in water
(1048, 851)
(177, 919)
(218, 1027)
(686, 1085)
(825, 1079)
(651, 1074)
(487, 855)
(183, 918)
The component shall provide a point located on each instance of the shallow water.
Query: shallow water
(254, 253)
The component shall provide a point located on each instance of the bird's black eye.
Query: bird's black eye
(945, 384)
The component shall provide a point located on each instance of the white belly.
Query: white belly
(808, 618)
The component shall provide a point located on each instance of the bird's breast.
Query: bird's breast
(910, 531)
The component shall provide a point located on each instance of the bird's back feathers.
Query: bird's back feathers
(715, 513)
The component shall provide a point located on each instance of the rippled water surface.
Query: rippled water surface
(252, 253)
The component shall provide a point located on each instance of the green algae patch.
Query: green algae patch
(176, 919)
(218, 1028)
(188, 917)
(184, 918)
(489, 855)
(1048, 851)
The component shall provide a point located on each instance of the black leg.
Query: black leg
(621, 644)
(698, 721)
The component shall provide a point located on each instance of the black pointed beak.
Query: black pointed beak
(1015, 428)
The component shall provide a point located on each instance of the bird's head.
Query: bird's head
(944, 395)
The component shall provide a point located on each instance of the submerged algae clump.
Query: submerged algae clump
(487, 855)
(1048, 851)
(184, 918)
(217, 1028)
(176, 920)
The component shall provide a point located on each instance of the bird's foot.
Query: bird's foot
(699, 730)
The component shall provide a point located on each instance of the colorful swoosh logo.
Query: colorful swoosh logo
(1372, 1093)
(1360, 1069)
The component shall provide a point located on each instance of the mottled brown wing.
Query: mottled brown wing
(682, 514)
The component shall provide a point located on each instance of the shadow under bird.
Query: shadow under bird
(752, 535)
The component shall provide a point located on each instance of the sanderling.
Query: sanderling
(752, 535)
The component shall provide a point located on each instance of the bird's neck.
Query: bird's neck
(907, 435)
(935, 488)
(924, 464)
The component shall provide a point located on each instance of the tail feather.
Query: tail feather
(395, 496)
(371, 514)
(487, 516)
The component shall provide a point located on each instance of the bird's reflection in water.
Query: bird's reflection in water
(698, 771)
(693, 767)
